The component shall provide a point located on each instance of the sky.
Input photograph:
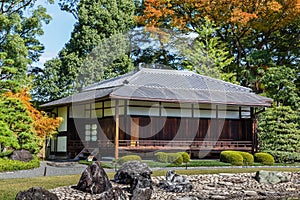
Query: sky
(56, 33)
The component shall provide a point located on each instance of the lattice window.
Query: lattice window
(91, 132)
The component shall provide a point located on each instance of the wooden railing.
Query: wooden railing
(186, 145)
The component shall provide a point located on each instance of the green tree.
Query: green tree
(97, 20)
(107, 60)
(55, 80)
(279, 130)
(207, 54)
(17, 130)
(19, 46)
(156, 50)
(258, 33)
(279, 84)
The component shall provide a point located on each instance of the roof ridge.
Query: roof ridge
(97, 84)
(186, 72)
(134, 75)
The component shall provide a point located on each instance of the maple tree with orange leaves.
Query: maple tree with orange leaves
(260, 33)
(22, 126)
(44, 126)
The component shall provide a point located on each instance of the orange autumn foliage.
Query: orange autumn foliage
(184, 14)
(297, 4)
(43, 125)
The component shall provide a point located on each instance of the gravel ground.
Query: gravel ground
(208, 186)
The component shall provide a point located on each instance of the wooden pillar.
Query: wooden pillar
(117, 129)
(134, 131)
(254, 131)
(217, 136)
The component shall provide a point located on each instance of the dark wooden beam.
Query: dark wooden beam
(117, 118)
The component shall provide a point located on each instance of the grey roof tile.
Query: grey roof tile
(168, 85)
(80, 97)
(195, 96)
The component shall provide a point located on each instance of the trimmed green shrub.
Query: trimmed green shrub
(279, 131)
(13, 165)
(161, 157)
(175, 158)
(129, 158)
(185, 157)
(248, 158)
(285, 157)
(85, 162)
(264, 158)
(104, 165)
(6, 153)
(232, 157)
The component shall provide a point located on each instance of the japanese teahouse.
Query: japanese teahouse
(155, 109)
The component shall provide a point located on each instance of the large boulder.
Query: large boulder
(141, 187)
(272, 177)
(94, 180)
(138, 175)
(142, 194)
(36, 193)
(175, 183)
(114, 193)
(131, 169)
(21, 155)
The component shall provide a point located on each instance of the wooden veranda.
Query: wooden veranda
(189, 146)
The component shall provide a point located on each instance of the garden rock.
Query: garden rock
(138, 175)
(271, 177)
(141, 187)
(175, 183)
(131, 169)
(94, 180)
(21, 155)
(114, 193)
(36, 193)
(142, 194)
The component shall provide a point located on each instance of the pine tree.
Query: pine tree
(279, 131)
(19, 46)
(97, 20)
(207, 54)
(279, 84)
(17, 125)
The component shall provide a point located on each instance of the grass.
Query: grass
(192, 163)
(196, 163)
(107, 165)
(287, 164)
(224, 170)
(10, 187)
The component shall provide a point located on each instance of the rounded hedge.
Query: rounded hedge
(161, 157)
(248, 158)
(13, 165)
(185, 157)
(232, 157)
(264, 158)
(129, 158)
(175, 158)
(6, 153)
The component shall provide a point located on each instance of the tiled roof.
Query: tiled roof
(80, 97)
(169, 85)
